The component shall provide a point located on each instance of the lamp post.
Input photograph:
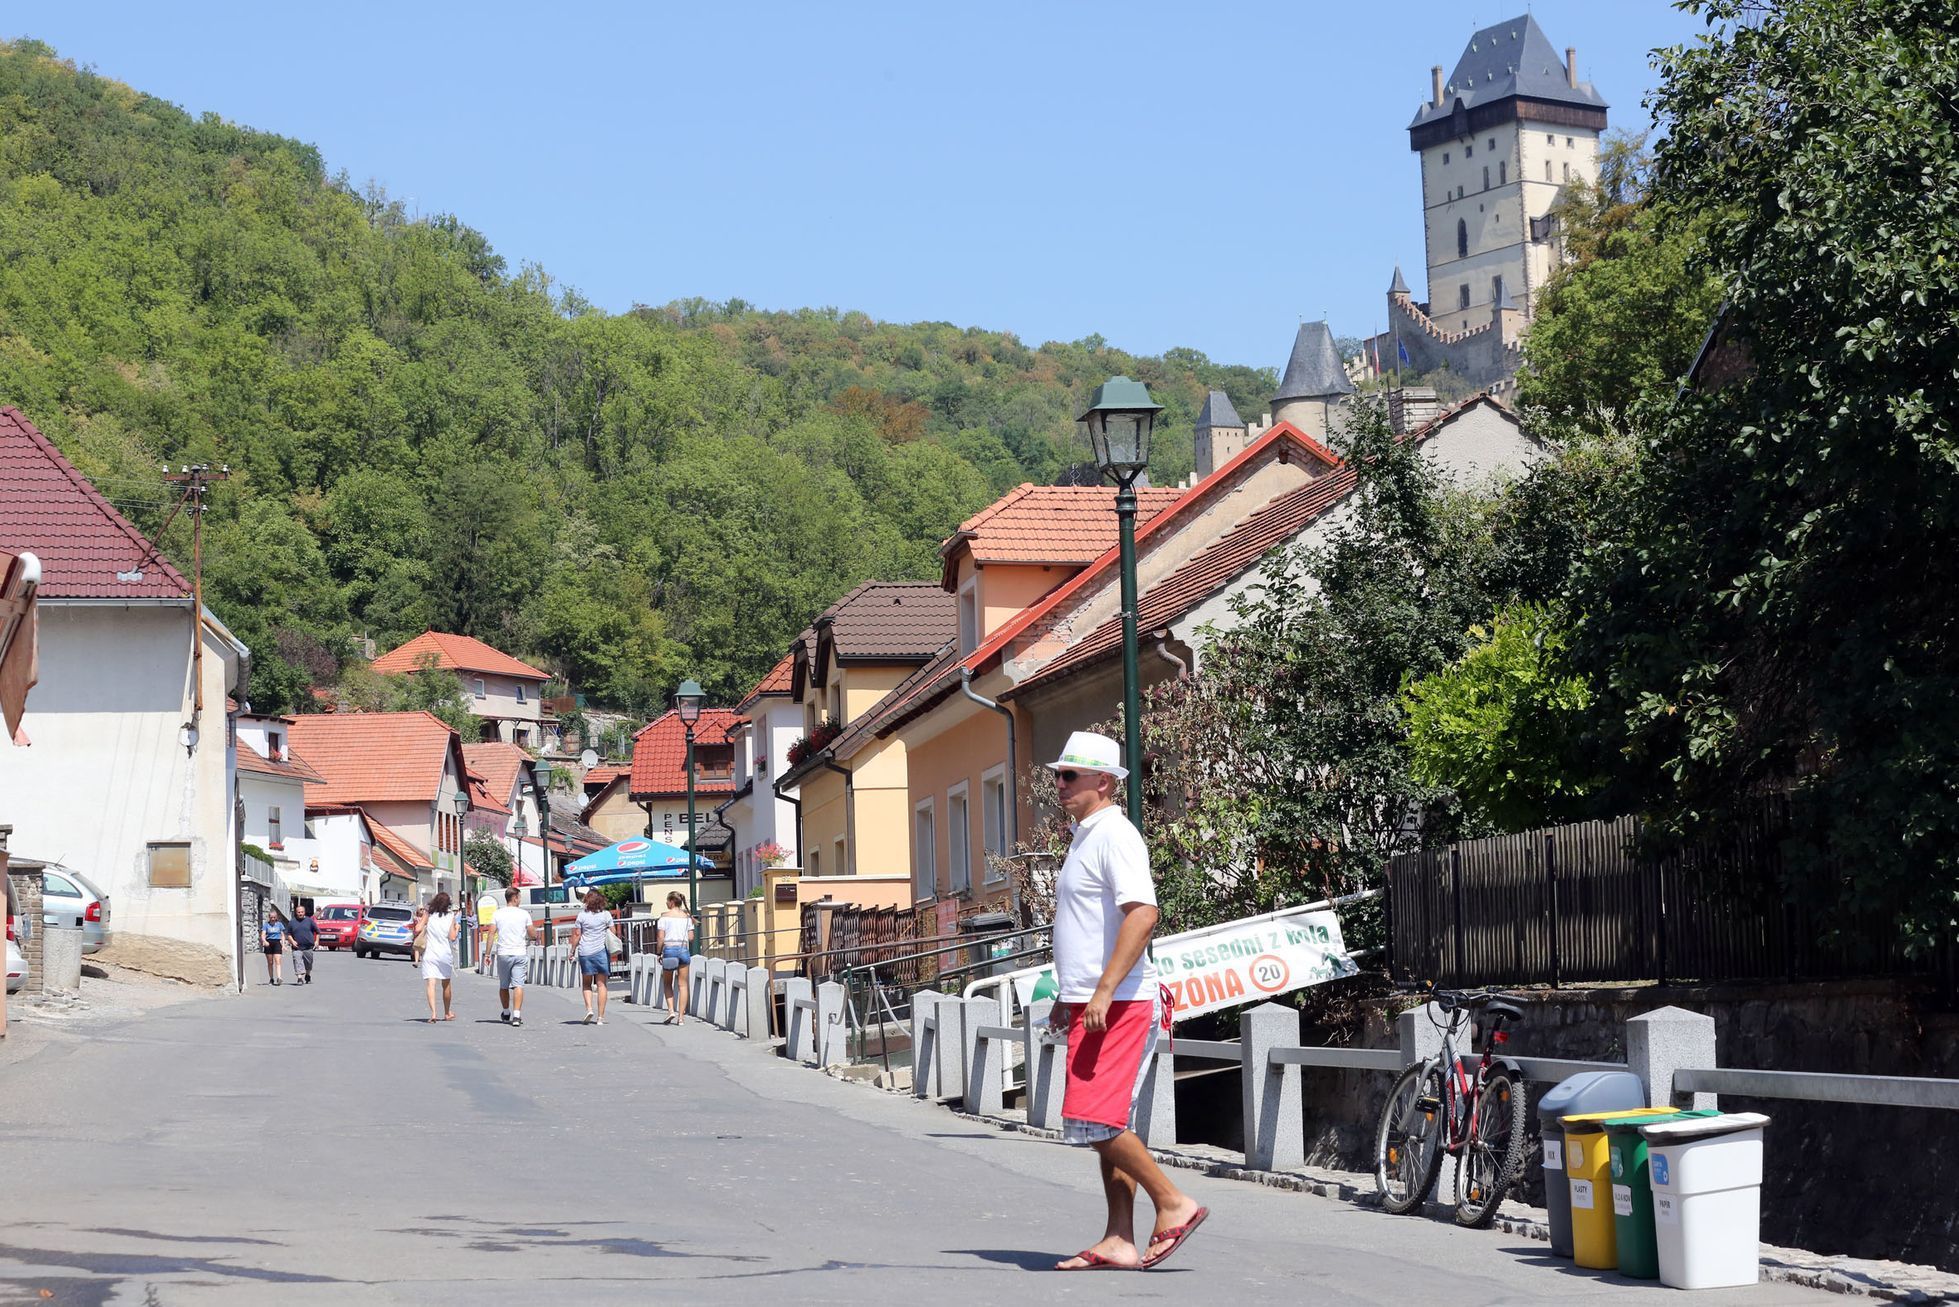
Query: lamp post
(687, 702)
(1119, 417)
(542, 770)
(461, 801)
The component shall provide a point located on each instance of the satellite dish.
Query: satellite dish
(588, 759)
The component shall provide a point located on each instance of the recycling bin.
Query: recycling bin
(1588, 1172)
(1632, 1196)
(1590, 1091)
(1707, 1198)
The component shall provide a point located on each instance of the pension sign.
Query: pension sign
(1250, 961)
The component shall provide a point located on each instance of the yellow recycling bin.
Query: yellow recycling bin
(1588, 1170)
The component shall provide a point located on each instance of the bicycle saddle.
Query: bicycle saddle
(1503, 1007)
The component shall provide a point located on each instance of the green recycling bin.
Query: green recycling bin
(1632, 1192)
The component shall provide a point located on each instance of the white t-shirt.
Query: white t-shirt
(1107, 867)
(513, 926)
(591, 928)
(675, 930)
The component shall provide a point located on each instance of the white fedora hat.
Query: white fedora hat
(1091, 752)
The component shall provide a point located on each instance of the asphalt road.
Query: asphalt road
(323, 1144)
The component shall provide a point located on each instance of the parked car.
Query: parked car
(69, 899)
(339, 924)
(385, 928)
(16, 966)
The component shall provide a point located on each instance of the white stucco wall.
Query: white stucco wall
(107, 771)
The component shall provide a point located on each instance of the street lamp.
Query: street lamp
(541, 769)
(687, 702)
(461, 801)
(1119, 418)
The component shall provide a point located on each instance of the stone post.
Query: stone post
(925, 1042)
(755, 998)
(1047, 1069)
(986, 1059)
(1156, 1105)
(828, 1045)
(1274, 1112)
(1666, 1040)
(696, 985)
(711, 990)
(796, 1018)
(950, 1047)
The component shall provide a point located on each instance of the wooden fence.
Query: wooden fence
(1586, 903)
(837, 935)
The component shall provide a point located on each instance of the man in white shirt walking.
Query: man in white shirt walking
(514, 930)
(1110, 1005)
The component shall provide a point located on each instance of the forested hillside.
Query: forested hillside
(420, 435)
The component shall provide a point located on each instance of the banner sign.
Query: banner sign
(1236, 963)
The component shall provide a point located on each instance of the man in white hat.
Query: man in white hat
(1110, 1004)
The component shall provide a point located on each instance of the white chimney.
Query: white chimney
(1571, 65)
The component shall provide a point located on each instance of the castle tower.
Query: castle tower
(1221, 434)
(1314, 384)
(1498, 141)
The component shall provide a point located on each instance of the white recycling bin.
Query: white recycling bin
(1707, 1198)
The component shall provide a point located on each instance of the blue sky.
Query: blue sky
(1164, 174)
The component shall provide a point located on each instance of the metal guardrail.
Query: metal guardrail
(1822, 1087)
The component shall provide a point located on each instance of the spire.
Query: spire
(1218, 412)
(1398, 286)
(1314, 369)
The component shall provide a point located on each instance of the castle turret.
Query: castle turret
(1314, 384)
(1221, 435)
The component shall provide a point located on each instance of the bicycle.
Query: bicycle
(1474, 1114)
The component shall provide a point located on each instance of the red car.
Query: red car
(337, 922)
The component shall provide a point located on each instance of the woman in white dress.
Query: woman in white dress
(439, 955)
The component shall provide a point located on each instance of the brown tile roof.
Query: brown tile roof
(660, 754)
(377, 757)
(293, 769)
(456, 653)
(1066, 525)
(49, 509)
(889, 621)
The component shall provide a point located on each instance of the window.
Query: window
(1462, 252)
(959, 840)
(477, 689)
(1496, 289)
(993, 819)
(1493, 144)
(1503, 173)
(1567, 172)
(843, 863)
(1469, 151)
(169, 864)
(520, 693)
(969, 621)
(1547, 170)
(59, 886)
(274, 747)
(1462, 296)
(925, 852)
(1567, 142)
(1445, 156)
(816, 862)
(1486, 176)
(1550, 139)
(272, 828)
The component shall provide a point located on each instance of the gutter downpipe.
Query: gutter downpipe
(797, 804)
(1163, 650)
(849, 811)
(1013, 762)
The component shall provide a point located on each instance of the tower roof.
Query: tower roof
(1218, 412)
(1398, 286)
(1314, 368)
(1505, 60)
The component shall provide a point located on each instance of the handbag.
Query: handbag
(612, 944)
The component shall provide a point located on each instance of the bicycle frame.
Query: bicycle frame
(1462, 1091)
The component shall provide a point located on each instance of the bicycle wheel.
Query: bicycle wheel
(1408, 1140)
(1494, 1154)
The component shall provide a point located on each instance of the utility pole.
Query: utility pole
(196, 478)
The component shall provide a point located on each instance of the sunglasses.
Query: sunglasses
(1068, 777)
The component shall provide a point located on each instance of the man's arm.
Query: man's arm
(1132, 937)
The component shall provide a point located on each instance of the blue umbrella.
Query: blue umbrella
(635, 857)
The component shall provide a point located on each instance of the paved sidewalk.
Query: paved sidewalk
(323, 1144)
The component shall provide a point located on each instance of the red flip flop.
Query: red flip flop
(1095, 1262)
(1176, 1234)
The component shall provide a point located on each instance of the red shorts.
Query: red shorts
(1105, 1067)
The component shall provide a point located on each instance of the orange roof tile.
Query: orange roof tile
(660, 753)
(776, 683)
(597, 777)
(293, 769)
(499, 765)
(399, 847)
(1066, 525)
(456, 653)
(377, 757)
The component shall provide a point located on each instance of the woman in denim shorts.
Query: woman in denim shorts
(676, 929)
(594, 959)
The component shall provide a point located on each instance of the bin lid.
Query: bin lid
(1591, 1091)
(1631, 1122)
(983, 921)
(1594, 1122)
(1702, 1127)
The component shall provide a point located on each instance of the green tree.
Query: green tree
(488, 855)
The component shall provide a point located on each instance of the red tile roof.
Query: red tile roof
(399, 847)
(456, 653)
(49, 509)
(498, 765)
(598, 777)
(378, 757)
(776, 683)
(293, 769)
(660, 754)
(1066, 525)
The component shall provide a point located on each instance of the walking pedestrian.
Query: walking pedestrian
(486, 911)
(1111, 1006)
(439, 931)
(272, 939)
(676, 928)
(594, 957)
(304, 933)
(514, 930)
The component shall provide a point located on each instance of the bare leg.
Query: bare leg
(517, 1001)
(434, 1012)
(1133, 1161)
(1118, 1241)
(680, 992)
(603, 984)
(448, 1000)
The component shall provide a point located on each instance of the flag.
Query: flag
(1401, 349)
